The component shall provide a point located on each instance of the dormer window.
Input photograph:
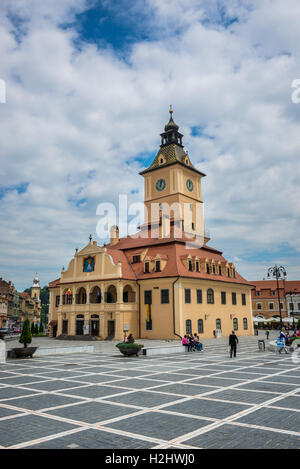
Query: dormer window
(228, 272)
(190, 266)
(220, 270)
(207, 268)
(157, 266)
(214, 268)
(136, 259)
(197, 266)
(147, 270)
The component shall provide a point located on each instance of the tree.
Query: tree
(298, 324)
(32, 328)
(41, 330)
(26, 336)
(36, 329)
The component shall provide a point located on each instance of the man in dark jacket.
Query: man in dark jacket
(233, 341)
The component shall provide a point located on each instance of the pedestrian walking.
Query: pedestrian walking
(233, 341)
(267, 334)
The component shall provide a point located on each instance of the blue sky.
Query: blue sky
(89, 84)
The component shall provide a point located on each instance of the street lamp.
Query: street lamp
(278, 273)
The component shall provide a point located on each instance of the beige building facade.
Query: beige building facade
(160, 283)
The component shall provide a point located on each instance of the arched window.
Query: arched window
(235, 324)
(245, 322)
(67, 297)
(128, 294)
(95, 295)
(111, 294)
(81, 296)
(188, 326)
(200, 326)
(210, 296)
(218, 324)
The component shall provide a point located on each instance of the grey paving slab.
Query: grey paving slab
(243, 376)
(42, 401)
(53, 385)
(266, 386)
(9, 391)
(236, 437)
(94, 439)
(29, 427)
(283, 379)
(238, 395)
(146, 399)
(158, 425)
(30, 371)
(62, 374)
(274, 418)
(185, 389)
(138, 383)
(4, 374)
(207, 408)
(23, 380)
(92, 412)
(6, 412)
(94, 392)
(96, 378)
(289, 402)
(101, 369)
(169, 377)
(217, 381)
(264, 370)
(133, 373)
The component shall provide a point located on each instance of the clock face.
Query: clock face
(161, 184)
(189, 185)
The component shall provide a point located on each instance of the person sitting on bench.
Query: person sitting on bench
(185, 342)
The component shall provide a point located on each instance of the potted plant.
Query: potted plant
(129, 347)
(25, 338)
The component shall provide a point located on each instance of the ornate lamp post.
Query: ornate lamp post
(278, 273)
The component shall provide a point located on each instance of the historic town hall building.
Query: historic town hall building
(156, 285)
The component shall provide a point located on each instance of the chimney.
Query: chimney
(114, 235)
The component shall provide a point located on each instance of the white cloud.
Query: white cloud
(75, 120)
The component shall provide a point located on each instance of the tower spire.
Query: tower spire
(171, 135)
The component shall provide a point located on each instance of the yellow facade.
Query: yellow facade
(139, 286)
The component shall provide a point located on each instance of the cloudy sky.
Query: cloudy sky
(88, 88)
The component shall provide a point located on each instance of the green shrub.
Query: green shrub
(26, 336)
(125, 345)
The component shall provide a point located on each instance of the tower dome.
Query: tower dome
(36, 281)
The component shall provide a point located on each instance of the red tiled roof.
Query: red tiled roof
(170, 249)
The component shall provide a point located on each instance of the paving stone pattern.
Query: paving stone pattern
(195, 400)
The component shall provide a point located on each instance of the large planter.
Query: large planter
(23, 352)
(129, 349)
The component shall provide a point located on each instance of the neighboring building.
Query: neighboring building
(30, 304)
(265, 298)
(154, 285)
(3, 310)
(292, 292)
(9, 304)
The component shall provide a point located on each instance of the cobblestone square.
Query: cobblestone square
(192, 400)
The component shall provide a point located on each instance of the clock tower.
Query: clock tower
(173, 193)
